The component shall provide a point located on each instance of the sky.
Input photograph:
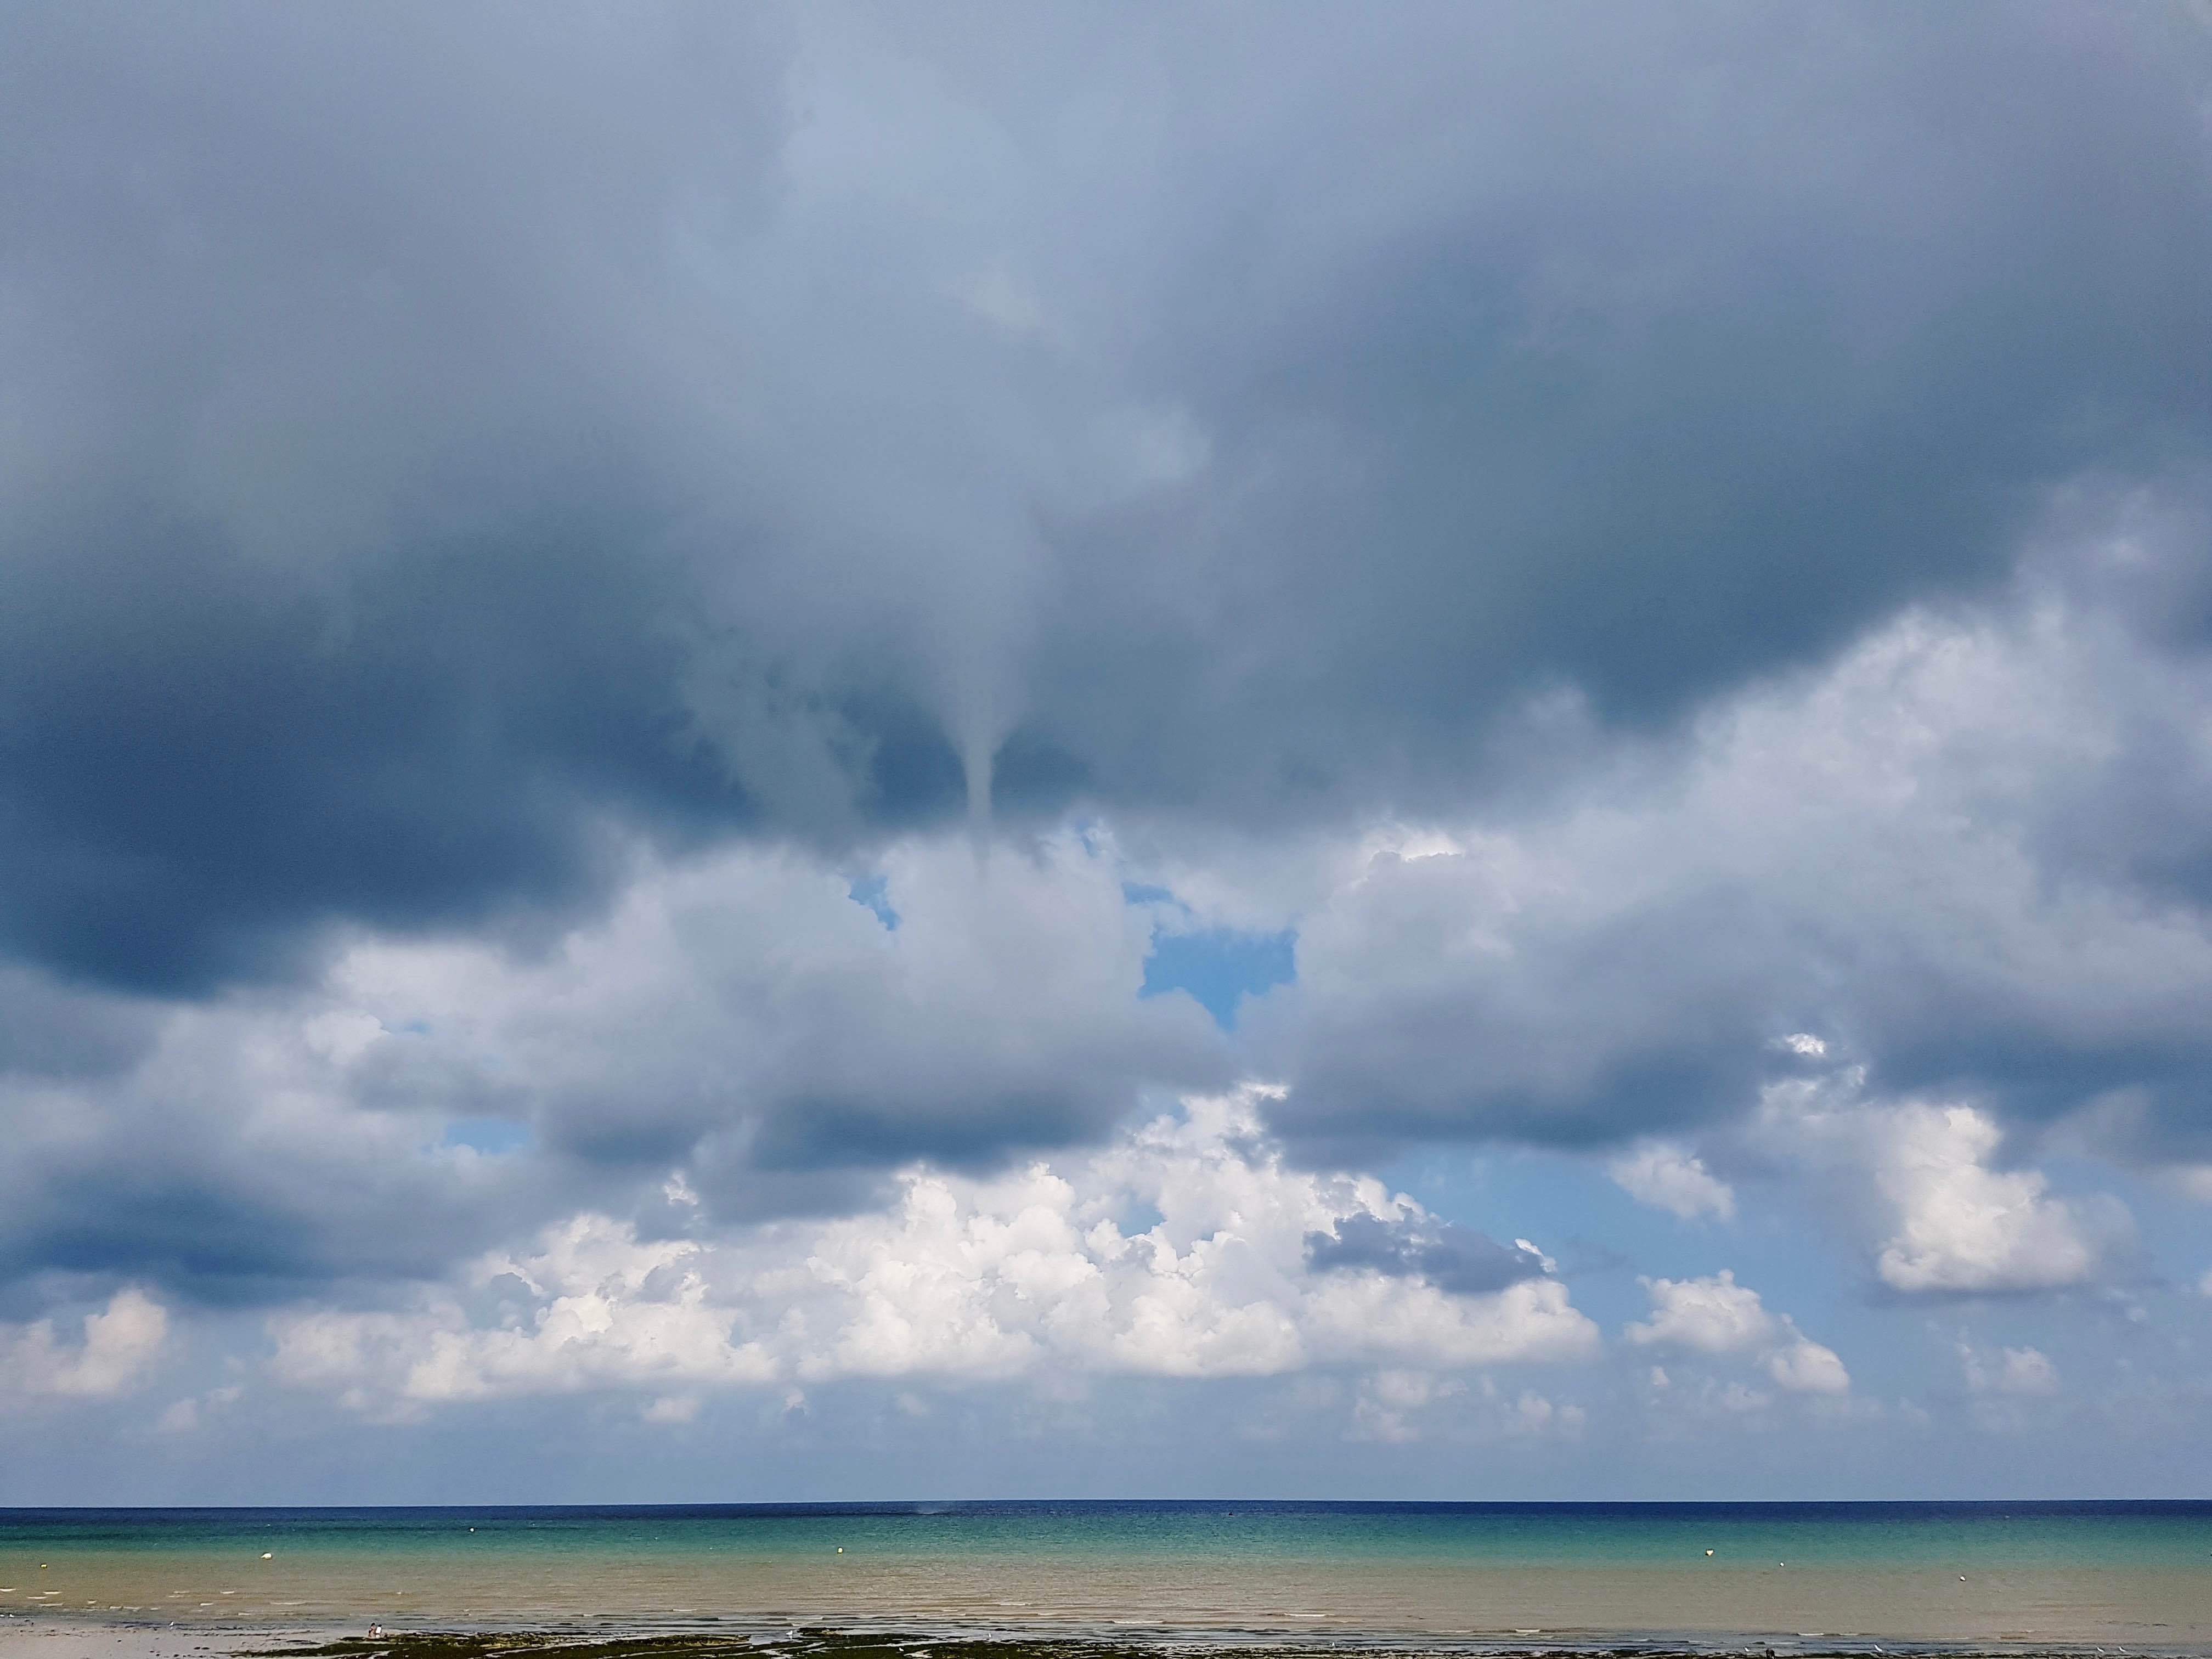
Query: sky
(879, 752)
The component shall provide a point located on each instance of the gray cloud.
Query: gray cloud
(443, 439)
(508, 518)
(742, 1021)
(1930, 855)
(1453, 1258)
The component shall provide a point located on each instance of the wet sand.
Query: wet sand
(61, 1636)
(1714, 1603)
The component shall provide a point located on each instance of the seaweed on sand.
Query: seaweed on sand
(800, 1644)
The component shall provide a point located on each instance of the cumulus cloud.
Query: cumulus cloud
(1910, 846)
(1402, 1408)
(1717, 1316)
(743, 1015)
(610, 1309)
(963, 1277)
(2010, 1371)
(1964, 1226)
(750, 1010)
(236, 1157)
(119, 1345)
(1952, 1222)
(1711, 1315)
(1804, 1366)
(1533, 1414)
(187, 1416)
(1670, 1178)
(1390, 1404)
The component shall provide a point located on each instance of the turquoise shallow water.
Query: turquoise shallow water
(1971, 1574)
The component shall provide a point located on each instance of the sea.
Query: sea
(1858, 1577)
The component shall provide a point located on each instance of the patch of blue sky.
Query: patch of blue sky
(1139, 1218)
(1218, 967)
(495, 1137)
(1565, 1207)
(1604, 1241)
(1817, 1268)
(873, 894)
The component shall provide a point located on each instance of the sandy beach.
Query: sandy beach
(22, 1637)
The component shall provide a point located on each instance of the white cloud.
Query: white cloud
(186, 1416)
(1714, 1315)
(1669, 1177)
(983, 1278)
(1389, 1402)
(2013, 1371)
(119, 1344)
(606, 1308)
(1402, 1406)
(342, 1036)
(742, 1007)
(1804, 1366)
(2193, 1180)
(1964, 1226)
(1717, 1316)
(1533, 1414)
(1949, 1221)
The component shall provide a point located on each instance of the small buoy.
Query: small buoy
(267, 1556)
(840, 1549)
(1708, 1551)
(1962, 1577)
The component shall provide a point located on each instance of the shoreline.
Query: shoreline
(60, 1635)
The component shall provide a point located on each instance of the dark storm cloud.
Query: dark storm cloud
(215, 1177)
(1655, 392)
(1657, 1017)
(54, 1031)
(337, 587)
(205, 758)
(444, 445)
(1453, 1258)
